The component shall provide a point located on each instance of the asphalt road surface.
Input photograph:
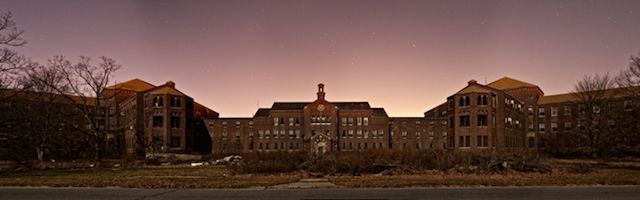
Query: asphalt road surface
(569, 192)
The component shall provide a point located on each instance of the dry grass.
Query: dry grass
(602, 177)
(196, 177)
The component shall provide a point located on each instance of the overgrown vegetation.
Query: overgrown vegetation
(193, 177)
(370, 162)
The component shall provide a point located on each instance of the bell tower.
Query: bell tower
(320, 91)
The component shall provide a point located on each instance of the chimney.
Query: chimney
(171, 84)
(320, 91)
(473, 82)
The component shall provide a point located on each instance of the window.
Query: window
(530, 110)
(267, 134)
(404, 134)
(291, 121)
(157, 121)
(350, 121)
(482, 120)
(596, 109)
(297, 121)
(465, 121)
(541, 112)
(275, 121)
(418, 134)
(175, 122)
(297, 133)
(175, 142)
(366, 134)
(344, 121)
(158, 101)
(567, 110)
(261, 135)
(359, 132)
(483, 141)
(541, 128)
(359, 121)
(175, 102)
(482, 100)
(554, 111)
(628, 105)
(291, 135)
(567, 126)
(465, 101)
(350, 133)
(581, 109)
(366, 121)
(554, 127)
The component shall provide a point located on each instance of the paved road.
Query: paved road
(590, 192)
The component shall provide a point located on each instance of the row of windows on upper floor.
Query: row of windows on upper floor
(482, 100)
(158, 101)
(158, 121)
(481, 141)
(482, 121)
(569, 126)
(628, 106)
(346, 146)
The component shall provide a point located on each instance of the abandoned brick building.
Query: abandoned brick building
(156, 119)
(504, 115)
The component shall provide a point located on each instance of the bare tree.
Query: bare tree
(44, 115)
(87, 83)
(592, 94)
(629, 79)
(10, 60)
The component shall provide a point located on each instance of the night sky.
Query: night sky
(405, 56)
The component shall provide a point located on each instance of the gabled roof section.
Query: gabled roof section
(572, 97)
(379, 112)
(352, 105)
(301, 105)
(475, 88)
(558, 98)
(167, 88)
(136, 85)
(506, 83)
(289, 105)
(262, 112)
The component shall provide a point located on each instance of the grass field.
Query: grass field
(191, 177)
(597, 177)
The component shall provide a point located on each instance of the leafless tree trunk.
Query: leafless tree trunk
(87, 82)
(45, 91)
(592, 93)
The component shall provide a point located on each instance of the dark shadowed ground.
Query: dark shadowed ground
(553, 192)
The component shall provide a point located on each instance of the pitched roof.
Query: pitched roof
(289, 105)
(301, 105)
(475, 88)
(509, 83)
(568, 97)
(352, 105)
(379, 112)
(136, 85)
(262, 112)
(558, 98)
(165, 89)
(54, 98)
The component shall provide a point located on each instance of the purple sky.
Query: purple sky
(405, 56)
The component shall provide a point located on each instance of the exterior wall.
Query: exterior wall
(565, 119)
(529, 97)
